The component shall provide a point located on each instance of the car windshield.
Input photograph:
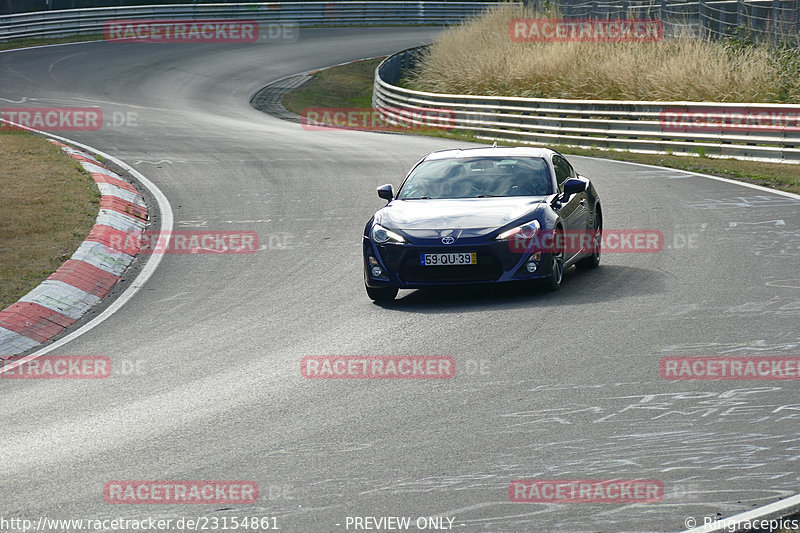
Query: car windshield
(478, 177)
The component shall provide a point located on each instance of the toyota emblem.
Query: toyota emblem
(448, 240)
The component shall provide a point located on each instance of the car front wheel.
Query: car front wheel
(557, 273)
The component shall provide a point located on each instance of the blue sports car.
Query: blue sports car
(482, 215)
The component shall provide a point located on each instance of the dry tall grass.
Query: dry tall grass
(479, 57)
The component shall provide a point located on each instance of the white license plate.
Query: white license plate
(461, 258)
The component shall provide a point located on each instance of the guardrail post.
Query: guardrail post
(776, 13)
(701, 15)
(740, 18)
(796, 15)
(729, 24)
(797, 21)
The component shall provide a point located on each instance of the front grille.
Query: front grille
(487, 269)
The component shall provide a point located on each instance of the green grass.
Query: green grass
(49, 205)
(24, 43)
(351, 86)
(336, 87)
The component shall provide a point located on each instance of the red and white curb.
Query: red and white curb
(79, 284)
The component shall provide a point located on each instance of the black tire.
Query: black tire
(593, 261)
(553, 283)
(381, 294)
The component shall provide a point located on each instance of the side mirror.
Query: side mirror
(574, 186)
(386, 192)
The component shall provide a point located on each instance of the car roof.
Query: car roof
(517, 151)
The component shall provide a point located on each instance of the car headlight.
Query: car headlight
(381, 235)
(525, 231)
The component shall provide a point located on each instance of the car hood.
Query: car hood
(411, 216)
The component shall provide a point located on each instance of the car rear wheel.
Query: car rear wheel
(381, 294)
(593, 261)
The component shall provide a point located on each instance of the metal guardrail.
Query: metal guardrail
(607, 124)
(89, 21)
(777, 19)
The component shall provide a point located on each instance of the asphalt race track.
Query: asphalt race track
(550, 386)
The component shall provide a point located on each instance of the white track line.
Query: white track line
(744, 521)
(153, 261)
(717, 178)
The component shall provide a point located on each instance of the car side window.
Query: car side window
(563, 170)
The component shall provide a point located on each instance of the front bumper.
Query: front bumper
(400, 264)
